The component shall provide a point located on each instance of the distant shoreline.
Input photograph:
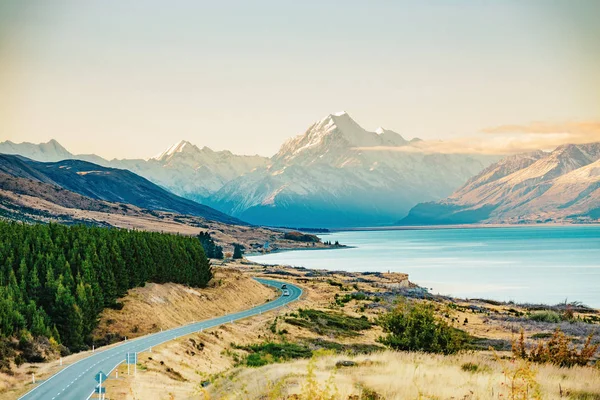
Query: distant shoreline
(282, 250)
(464, 226)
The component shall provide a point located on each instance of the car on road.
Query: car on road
(286, 292)
(284, 286)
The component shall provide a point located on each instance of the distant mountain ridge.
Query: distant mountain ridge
(335, 174)
(108, 184)
(183, 168)
(562, 185)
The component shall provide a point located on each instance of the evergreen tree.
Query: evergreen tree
(211, 249)
(238, 251)
(55, 280)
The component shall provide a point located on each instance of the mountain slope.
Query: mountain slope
(338, 174)
(109, 184)
(563, 185)
(183, 168)
(193, 172)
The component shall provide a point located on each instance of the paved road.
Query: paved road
(77, 380)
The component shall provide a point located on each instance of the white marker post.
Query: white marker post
(32, 378)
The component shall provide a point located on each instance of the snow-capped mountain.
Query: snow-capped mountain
(338, 174)
(193, 172)
(46, 152)
(562, 185)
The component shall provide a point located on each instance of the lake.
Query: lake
(545, 264)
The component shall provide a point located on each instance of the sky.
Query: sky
(127, 79)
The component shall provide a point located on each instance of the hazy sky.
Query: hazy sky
(128, 78)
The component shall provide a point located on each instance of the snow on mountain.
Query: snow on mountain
(562, 185)
(47, 152)
(338, 174)
(194, 172)
(328, 137)
(335, 174)
(179, 147)
(183, 168)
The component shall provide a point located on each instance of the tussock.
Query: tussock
(403, 375)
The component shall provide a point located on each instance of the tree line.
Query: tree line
(55, 279)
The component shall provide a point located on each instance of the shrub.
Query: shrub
(329, 323)
(557, 350)
(269, 352)
(359, 296)
(414, 327)
(301, 237)
(469, 367)
(545, 316)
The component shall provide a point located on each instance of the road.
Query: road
(77, 380)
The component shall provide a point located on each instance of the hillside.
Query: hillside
(173, 305)
(558, 186)
(27, 200)
(108, 184)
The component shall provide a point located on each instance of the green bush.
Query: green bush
(329, 323)
(545, 316)
(415, 327)
(269, 352)
(469, 367)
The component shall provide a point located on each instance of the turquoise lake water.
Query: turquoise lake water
(524, 264)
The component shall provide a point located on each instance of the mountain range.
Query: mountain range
(561, 185)
(338, 174)
(335, 174)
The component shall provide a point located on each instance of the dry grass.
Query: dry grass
(395, 375)
(152, 307)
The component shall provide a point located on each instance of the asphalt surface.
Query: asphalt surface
(76, 381)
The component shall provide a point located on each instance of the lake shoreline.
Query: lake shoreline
(526, 265)
(459, 226)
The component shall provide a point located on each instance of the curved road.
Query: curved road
(77, 380)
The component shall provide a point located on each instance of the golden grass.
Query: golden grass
(403, 375)
(152, 307)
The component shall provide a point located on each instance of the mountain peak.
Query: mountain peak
(183, 146)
